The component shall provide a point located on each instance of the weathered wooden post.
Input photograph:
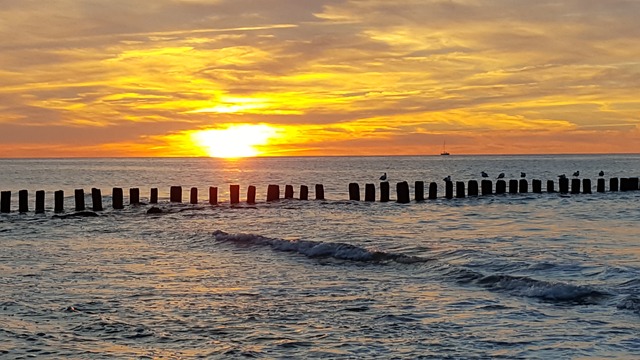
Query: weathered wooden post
(213, 195)
(448, 189)
(460, 189)
(586, 186)
(487, 187)
(273, 193)
(433, 191)
(575, 186)
(319, 192)
(153, 198)
(633, 183)
(402, 191)
(79, 196)
(134, 196)
(384, 191)
(563, 184)
(235, 194)
(600, 187)
(58, 201)
(288, 191)
(536, 186)
(23, 201)
(304, 192)
(354, 192)
(472, 188)
(550, 186)
(613, 184)
(624, 184)
(251, 195)
(175, 194)
(96, 199)
(513, 186)
(118, 198)
(193, 196)
(523, 186)
(501, 187)
(369, 192)
(419, 190)
(40, 201)
(5, 201)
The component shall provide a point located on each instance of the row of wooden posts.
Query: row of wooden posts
(175, 195)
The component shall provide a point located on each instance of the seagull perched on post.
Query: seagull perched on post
(601, 173)
(501, 176)
(577, 173)
(448, 178)
(383, 177)
(562, 176)
(523, 175)
(484, 174)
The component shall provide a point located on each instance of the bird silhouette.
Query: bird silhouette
(601, 173)
(577, 173)
(523, 175)
(484, 174)
(562, 176)
(448, 178)
(501, 176)
(383, 177)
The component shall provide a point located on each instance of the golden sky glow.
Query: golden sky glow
(326, 77)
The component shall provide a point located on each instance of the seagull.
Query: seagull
(484, 174)
(447, 179)
(501, 176)
(523, 175)
(562, 176)
(577, 173)
(601, 173)
(383, 177)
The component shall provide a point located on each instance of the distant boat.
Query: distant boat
(444, 149)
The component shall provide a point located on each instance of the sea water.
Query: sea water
(526, 276)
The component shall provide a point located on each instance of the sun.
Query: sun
(235, 141)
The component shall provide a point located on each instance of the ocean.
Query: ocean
(515, 276)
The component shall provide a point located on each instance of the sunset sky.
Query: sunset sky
(318, 77)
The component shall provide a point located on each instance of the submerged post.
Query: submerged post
(251, 195)
(288, 191)
(23, 201)
(575, 186)
(79, 196)
(419, 190)
(402, 191)
(354, 192)
(460, 189)
(586, 186)
(153, 199)
(369, 192)
(537, 186)
(563, 184)
(58, 201)
(550, 186)
(600, 186)
(134, 196)
(433, 191)
(5, 202)
(96, 199)
(448, 189)
(39, 201)
(175, 194)
(523, 186)
(193, 196)
(117, 195)
(304, 192)
(472, 188)
(319, 192)
(501, 187)
(487, 187)
(213, 195)
(384, 191)
(235, 194)
(273, 193)
(613, 184)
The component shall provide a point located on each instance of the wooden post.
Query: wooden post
(536, 184)
(523, 186)
(117, 196)
(193, 196)
(40, 201)
(501, 187)
(96, 199)
(153, 198)
(448, 189)
(369, 192)
(134, 196)
(550, 186)
(213, 195)
(613, 184)
(402, 191)
(273, 192)
(319, 192)
(304, 192)
(487, 187)
(23, 201)
(58, 198)
(288, 191)
(601, 183)
(251, 195)
(586, 186)
(384, 191)
(79, 195)
(633, 183)
(575, 186)
(5, 201)
(419, 190)
(354, 192)
(175, 194)
(472, 188)
(460, 189)
(513, 186)
(433, 191)
(564, 185)
(235, 194)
